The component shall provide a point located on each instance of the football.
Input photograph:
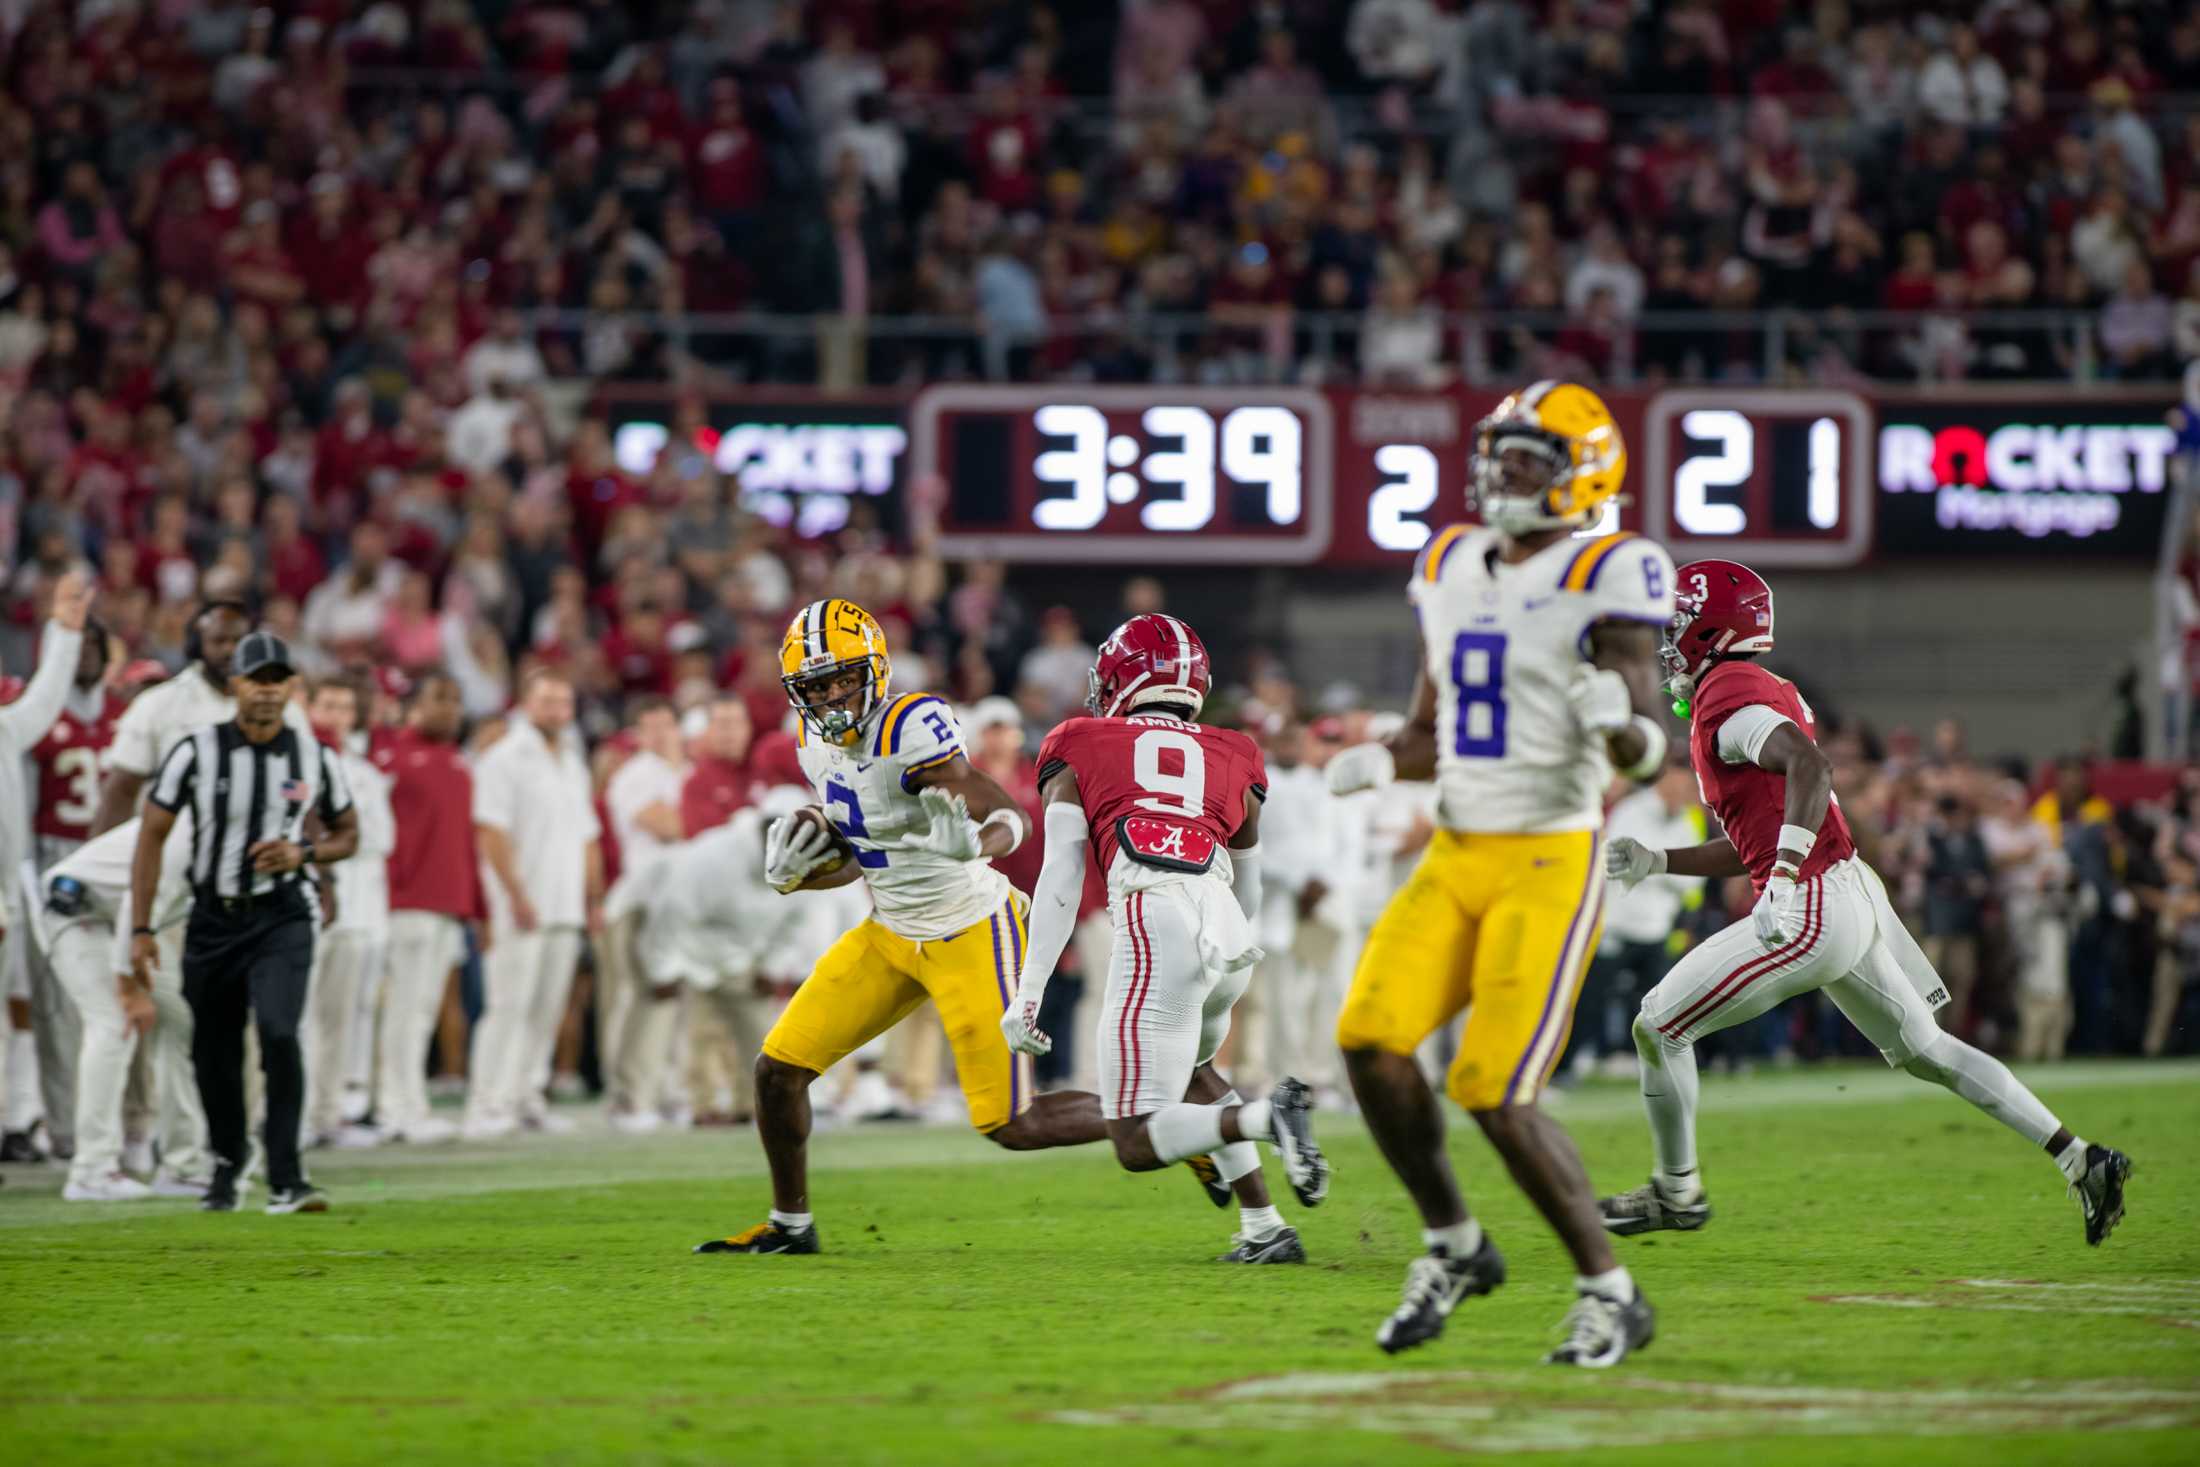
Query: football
(842, 851)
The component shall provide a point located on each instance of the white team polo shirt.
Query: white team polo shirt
(541, 798)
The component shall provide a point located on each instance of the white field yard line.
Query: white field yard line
(595, 1158)
(1481, 1412)
(2173, 1301)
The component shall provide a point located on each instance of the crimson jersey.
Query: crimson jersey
(1169, 790)
(71, 758)
(1751, 802)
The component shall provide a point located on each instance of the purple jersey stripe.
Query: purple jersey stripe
(1560, 975)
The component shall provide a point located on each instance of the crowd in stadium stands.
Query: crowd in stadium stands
(263, 206)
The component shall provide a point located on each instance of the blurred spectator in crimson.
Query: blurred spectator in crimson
(1996, 280)
(1915, 283)
(1598, 340)
(637, 653)
(292, 563)
(985, 614)
(1250, 305)
(346, 452)
(1059, 667)
(1278, 95)
(719, 777)
(412, 632)
(2135, 327)
(168, 564)
(79, 228)
(331, 245)
(595, 485)
(726, 161)
(1797, 77)
(1003, 149)
(1961, 83)
(1987, 195)
(255, 266)
(996, 733)
(345, 614)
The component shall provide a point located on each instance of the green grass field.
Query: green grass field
(1890, 1279)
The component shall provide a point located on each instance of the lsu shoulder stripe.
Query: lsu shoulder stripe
(1439, 549)
(896, 717)
(1588, 562)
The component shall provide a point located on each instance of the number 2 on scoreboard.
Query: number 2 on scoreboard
(1478, 680)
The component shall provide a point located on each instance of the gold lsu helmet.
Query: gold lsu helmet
(826, 640)
(1570, 437)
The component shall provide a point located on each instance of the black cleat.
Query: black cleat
(221, 1193)
(305, 1197)
(1280, 1246)
(1210, 1180)
(1290, 1105)
(1648, 1210)
(1435, 1285)
(765, 1237)
(1600, 1331)
(17, 1149)
(2100, 1192)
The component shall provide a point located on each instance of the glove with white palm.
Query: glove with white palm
(1628, 861)
(793, 848)
(1020, 1025)
(1777, 916)
(1361, 767)
(949, 831)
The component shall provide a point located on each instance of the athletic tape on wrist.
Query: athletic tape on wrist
(1018, 827)
(1796, 838)
(1653, 749)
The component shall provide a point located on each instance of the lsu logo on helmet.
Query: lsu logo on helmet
(1549, 456)
(826, 642)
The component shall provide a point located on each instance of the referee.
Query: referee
(250, 782)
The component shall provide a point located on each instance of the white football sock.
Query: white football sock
(1616, 1283)
(1256, 1121)
(1986, 1082)
(1236, 1159)
(1669, 1091)
(1185, 1129)
(792, 1222)
(2071, 1159)
(1259, 1224)
(1460, 1240)
(25, 1106)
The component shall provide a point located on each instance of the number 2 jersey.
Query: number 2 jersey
(1504, 644)
(1737, 706)
(866, 792)
(1167, 793)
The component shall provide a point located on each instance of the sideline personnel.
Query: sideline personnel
(250, 783)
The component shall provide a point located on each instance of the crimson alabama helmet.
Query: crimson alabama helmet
(1149, 659)
(1721, 608)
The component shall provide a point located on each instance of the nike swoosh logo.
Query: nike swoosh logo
(1544, 861)
(1535, 602)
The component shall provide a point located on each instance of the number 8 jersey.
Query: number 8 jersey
(1504, 645)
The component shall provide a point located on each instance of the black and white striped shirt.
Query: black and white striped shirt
(242, 793)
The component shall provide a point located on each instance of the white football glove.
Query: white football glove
(792, 850)
(1020, 1025)
(951, 832)
(1601, 702)
(1777, 916)
(1361, 767)
(1628, 861)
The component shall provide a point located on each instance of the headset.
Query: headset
(191, 646)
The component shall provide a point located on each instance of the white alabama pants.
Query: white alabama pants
(344, 964)
(525, 981)
(423, 949)
(83, 964)
(1850, 944)
(1183, 955)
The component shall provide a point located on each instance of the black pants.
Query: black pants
(256, 957)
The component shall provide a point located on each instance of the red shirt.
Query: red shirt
(1021, 866)
(715, 788)
(1172, 791)
(433, 867)
(1751, 802)
(70, 760)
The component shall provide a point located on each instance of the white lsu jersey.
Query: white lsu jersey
(866, 793)
(1504, 645)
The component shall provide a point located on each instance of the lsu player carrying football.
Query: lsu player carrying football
(917, 825)
(1538, 676)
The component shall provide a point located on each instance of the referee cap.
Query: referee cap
(260, 651)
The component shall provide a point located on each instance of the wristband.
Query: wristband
(308, 856)
(1796, 838)
(1653, 749)
(1018, 827)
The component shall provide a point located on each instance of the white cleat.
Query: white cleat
(636, 1122)
(487, 1128)
(356, 1137)
(114, 1187)
(167, 1184)
(434, 1131)
(549, 1123)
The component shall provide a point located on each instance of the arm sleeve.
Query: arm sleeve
(27, 720)
(172, 787)
(1743, 732)
(335, 787)
(1056, 895)
(1245, 880)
